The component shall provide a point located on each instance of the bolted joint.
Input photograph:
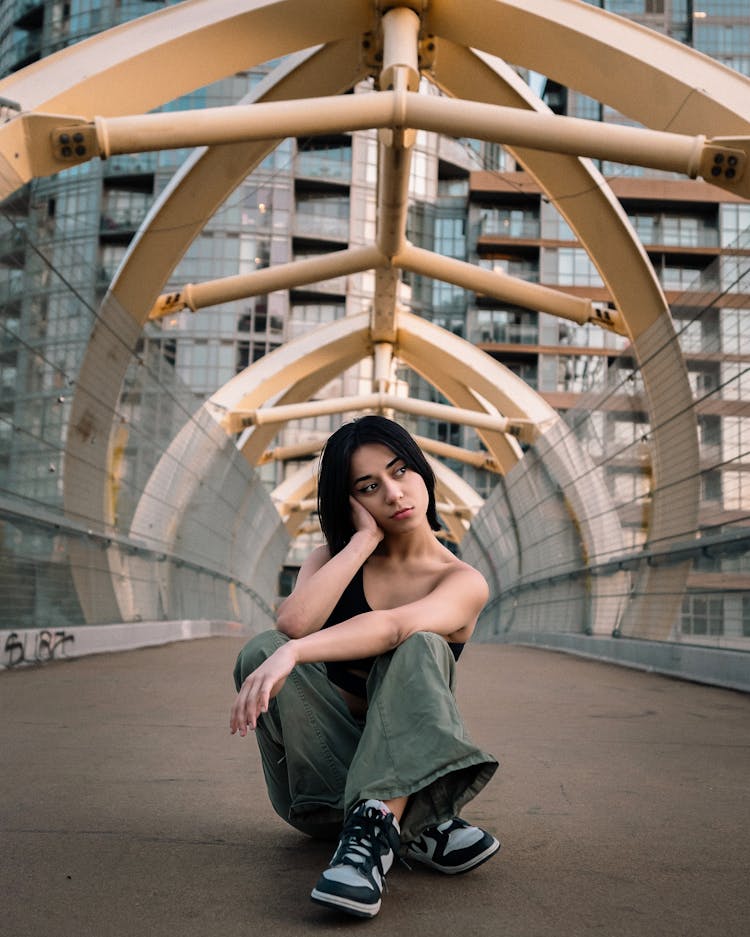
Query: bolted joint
(75, 144)
(426, 52)
(168, 304)
(234, 423)
(723, 162)
(525, 431)
(609, 318)
(372, 53)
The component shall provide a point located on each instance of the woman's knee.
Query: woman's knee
(422, 642)
(423, 646)
(257, 649)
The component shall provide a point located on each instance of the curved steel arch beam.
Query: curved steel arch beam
(721, 105)
(210, 175)
(175, 220)
(288, 6)
(587, 203)
(344, 341)
(157, 524)
(432, 352)
(466, 375)
(573, 184)
(504, 450)
(294, 497)
(609, 58)
(189, 45)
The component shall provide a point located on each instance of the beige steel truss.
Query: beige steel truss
(97, 87)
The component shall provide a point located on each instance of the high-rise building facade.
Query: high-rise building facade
(63, 238)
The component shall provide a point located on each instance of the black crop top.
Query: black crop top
(354, 602)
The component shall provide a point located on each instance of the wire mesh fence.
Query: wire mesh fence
(675, 563)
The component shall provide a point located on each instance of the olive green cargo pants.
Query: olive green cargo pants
(319, 761)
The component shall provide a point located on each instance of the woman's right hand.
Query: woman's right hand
(363, 521)
(259, 688)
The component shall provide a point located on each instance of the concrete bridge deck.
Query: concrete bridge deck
(128, 809)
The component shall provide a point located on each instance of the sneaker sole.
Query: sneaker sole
(458, 869)
(345, 904)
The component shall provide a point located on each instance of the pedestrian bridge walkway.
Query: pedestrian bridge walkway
(128, 809)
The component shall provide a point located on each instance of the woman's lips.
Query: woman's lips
(404, 512)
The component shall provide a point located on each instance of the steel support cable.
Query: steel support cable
(612, 390)
(55, 449)
(103, 542)
(73, 381)
(636, 501)
(572, 427)
(553, 494)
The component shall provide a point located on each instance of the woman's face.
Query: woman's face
(394, 494)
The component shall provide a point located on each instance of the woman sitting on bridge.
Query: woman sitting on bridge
(351, 698)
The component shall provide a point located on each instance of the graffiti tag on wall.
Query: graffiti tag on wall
(35, 648)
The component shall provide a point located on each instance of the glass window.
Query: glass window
(553, 225)
(333, 161)
(734, 221)
(323, 214)
(508, 222)
(709, 429)
(569, 266)
(505, 326)
(702, 614)
(580, 373)
(735, 330)
(450, 236)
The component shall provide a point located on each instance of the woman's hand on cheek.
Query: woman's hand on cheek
(363, 521)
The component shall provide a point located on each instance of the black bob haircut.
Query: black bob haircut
(334, 482)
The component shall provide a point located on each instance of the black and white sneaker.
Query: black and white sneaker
(453, 847)
(354, 879)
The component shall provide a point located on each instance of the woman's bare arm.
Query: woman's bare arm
(451, 609)
(323, 578)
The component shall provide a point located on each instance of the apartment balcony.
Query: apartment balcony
(657, 235)
(507, 334)
(321, 227)
(499, 227)
(117, 167)
(121, 223)
(520, 268)
(318, 166)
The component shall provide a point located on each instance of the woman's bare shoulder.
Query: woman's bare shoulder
(457, 570)
(313, 562)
